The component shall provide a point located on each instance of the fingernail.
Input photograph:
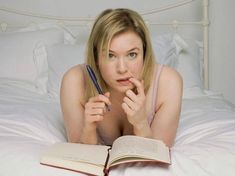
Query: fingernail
(108, 107)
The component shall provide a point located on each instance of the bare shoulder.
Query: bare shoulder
(170, 84)
(73, 83)
(170, 76)
(74, 73)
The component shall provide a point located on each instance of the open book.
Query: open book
(98, 159)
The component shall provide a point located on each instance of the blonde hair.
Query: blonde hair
(108, 24)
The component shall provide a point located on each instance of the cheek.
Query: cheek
(137, 69)
(106, 72)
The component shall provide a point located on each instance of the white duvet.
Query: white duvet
(29, 122)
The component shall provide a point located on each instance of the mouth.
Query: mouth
(124, 81)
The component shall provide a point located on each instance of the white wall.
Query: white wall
(90, 8)
(222, 47)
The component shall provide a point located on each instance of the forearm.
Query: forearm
(89, 134)
(142, 129)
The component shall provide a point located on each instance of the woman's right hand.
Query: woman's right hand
(95, 109)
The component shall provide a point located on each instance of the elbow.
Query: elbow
(169, 144)
(72, 141)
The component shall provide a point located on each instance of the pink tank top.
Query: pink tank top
(154, 93)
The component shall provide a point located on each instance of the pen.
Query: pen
(94, 80)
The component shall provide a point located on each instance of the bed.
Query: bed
(33, 59)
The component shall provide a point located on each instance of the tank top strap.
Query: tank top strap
(154, 93)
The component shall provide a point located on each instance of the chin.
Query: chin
(123, 89)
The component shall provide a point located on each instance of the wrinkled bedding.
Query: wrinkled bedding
(29, 122)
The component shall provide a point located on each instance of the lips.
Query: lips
(124, 81)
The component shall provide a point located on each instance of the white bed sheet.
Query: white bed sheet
(30, 122)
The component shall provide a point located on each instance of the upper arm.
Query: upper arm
(168, 107)
(71, 98)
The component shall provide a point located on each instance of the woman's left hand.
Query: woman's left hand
(134, 104)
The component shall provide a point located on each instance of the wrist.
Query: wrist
(89, 127)
(89, 134)
(142, 129)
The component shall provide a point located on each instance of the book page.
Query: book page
(95, 154)
(126, 148)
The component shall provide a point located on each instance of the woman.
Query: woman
(144, 97)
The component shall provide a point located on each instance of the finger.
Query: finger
(95, 111)
(91, 106)
(126, 109)
(98, 105)
(95, 118)
(104, 98)
(100, 98)
(107, 94)
(130, 94)
(94, 105)
(129, 102)
(108, 106)
(139, 85)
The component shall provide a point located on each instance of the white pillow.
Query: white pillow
(22, 55)
(60, 58)
(189, 65)
(171, 50)
(165, 49)
(184, 55)
(69, 37)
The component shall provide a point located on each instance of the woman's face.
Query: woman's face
(125, 60)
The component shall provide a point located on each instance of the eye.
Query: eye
(132, 55)
(111, 56)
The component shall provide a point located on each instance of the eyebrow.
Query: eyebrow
(136, 48)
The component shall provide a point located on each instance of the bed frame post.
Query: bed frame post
(206, 44)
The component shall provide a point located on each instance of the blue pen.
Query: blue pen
(94, 80)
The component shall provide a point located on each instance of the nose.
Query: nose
(121, 65)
